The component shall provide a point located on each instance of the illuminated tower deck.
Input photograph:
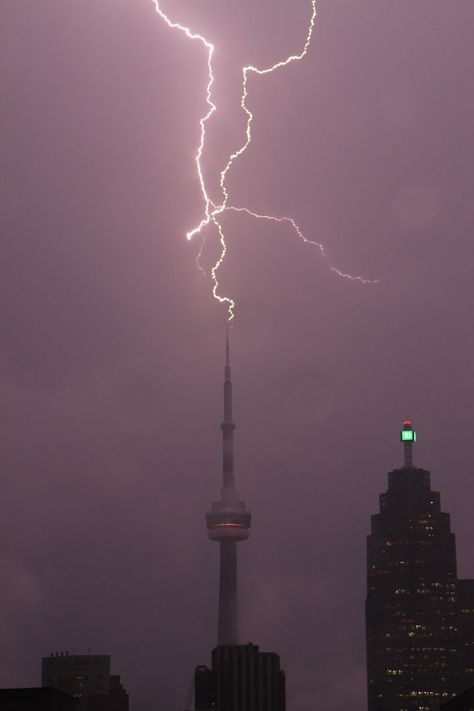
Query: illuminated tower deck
(228, 522)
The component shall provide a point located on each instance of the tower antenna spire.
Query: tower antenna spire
(408, 438)
(227, 427)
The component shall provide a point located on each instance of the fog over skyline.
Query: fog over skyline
(112, 348)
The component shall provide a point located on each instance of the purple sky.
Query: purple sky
(111, 347)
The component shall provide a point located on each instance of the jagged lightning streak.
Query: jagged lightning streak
(211, 210)
(243, 102)
(296, 228)
(212, 108)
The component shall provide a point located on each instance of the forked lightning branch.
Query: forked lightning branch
(212, 210)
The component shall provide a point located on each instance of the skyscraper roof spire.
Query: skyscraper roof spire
(408, 437)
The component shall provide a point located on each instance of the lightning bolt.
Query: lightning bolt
(243, 102)
(296, 228)
(212, 108)
(212, 211)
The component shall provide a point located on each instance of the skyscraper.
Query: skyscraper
(411, 610)
(241, 678)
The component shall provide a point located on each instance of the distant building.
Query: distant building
(87, 678)
(36, 699)
(411, 608)
(241, 679)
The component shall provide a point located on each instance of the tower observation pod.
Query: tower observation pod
(408, 437)
(228, 522)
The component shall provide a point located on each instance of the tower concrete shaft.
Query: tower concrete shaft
(228, 624)
(228, 522)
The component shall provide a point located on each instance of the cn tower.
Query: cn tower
(228, 522)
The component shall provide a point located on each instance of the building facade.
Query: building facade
(87, 678)
(411, 606)
(241, 679)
